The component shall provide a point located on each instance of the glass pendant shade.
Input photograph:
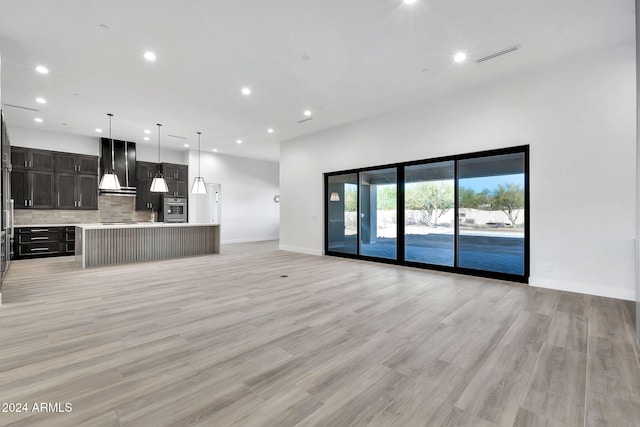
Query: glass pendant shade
(109, 180)
(159, 185)
(335, 197)
(198, 186)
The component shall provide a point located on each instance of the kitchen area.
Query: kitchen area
(59, 203)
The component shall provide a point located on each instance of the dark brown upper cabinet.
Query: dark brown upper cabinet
(73, 163)
(44, 179)
(30, 159)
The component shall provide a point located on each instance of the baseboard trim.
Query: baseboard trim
(249, 240)
(300, 250)
(584, 288)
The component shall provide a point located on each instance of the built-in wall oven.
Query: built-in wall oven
(175, 209)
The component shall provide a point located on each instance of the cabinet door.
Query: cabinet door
(87, 165)
(142, 193)
(172, 186)
(65, 163)
(18, 158)
(181, 188)
(42, 160)
(87, 191)
(182, 173)
(170, 171)
(19, 190)
(145, 199)
(41, 188)
(146, 170)
(66, 194)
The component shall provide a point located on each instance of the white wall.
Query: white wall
(579, 119)
(70, 143)
(247, 189)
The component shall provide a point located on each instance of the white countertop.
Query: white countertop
(43, 225)
(144, 225)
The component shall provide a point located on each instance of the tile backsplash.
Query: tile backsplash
(110, 209)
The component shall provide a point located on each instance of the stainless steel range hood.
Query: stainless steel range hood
(123, 154)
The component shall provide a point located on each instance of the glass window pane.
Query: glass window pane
(379, 213)
(342, 196)
(491, 213)
(429, 211)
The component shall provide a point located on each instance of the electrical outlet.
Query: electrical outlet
(548, 267)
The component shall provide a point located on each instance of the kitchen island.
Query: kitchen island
(119, 243)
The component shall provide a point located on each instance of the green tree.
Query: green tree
(434, 199)
(350, 197)
(472, 200)
(387, 197)
(508, 198)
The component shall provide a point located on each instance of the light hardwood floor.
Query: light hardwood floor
(225, 340)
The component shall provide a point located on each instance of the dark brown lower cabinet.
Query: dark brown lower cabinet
(36, 242)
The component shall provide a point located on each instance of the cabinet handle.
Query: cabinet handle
(39, 230)
(80, 201)
(31, 202)
(25, 163)
(30, 163)
(39, 238)
(39, 249)
(25, 203)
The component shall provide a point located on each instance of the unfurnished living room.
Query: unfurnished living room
(319, 213)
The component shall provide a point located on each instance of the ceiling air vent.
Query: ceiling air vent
(500, 53)
(305, 120)
(18, 106)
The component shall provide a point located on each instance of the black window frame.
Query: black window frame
(400, 242)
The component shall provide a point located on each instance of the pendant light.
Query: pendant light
(198, 186)
(109, 180)
(159, 185)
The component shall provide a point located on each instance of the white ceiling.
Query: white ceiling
(342, 59)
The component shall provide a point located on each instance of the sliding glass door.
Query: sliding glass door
(429, 200)
(492, 213)
(466, 213)
(342, 206)
(379, 213)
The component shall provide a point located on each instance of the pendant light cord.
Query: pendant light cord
(158, 141)
(113, 161)
(199, 133)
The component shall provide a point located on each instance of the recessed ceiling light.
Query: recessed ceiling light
(41, 100)
(186, 145)
(150, 56)
(38, 120)
(238, 141)
(146, 138)
(270, 130)
(307, 113)
(460, 57)
(215, 150)
(98, 130)
(147, 131)
(42, 69)
(246, 91)
(409, 1)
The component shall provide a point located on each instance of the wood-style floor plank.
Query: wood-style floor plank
(225, 340)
